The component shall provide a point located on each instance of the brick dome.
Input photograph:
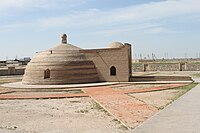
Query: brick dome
(115, 45)
(62, 64)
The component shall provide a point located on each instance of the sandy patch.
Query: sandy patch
(9, 79)
(55, 115)
(158, 99)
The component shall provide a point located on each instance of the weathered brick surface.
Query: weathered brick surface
(69, 64)
(104, 59)
(17, 71)
(66, 65)
(163, 67)
(193, 66)
(140, 67)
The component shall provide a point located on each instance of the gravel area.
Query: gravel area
(71, 115)
(158, 99)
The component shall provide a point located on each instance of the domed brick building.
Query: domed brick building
(68, 64)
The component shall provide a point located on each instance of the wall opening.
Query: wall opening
(145, 67)
(182, 66)
(46, 74)
(113, 71)
(11, 70)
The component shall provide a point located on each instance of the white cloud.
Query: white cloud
(8, 4)
(132, 14)
(18, 5)
(114, 20)
(156, 30)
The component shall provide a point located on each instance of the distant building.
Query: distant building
(2, 63)
(13, 67)
(25, 60)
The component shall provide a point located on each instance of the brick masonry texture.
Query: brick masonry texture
(68, 64)
(188, 66)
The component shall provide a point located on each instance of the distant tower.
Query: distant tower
(64, 39)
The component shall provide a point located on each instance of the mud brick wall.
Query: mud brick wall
(15, 71)
(104, 59)
(193, 66)
(138, 67)
(3, 72)
(163, 67)
(188, 66)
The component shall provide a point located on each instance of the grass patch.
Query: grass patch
(116, 121)
(195, 62)
(75, 101)
(123, 127)
(9, 128)
(172, 94)
(197, 75)
(181, 91)
(83, 111)
(98, 107)
(184, 89)
(187, 87)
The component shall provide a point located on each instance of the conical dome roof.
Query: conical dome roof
(60, 53)
(65, 64)
(115, 45)
(65, 47)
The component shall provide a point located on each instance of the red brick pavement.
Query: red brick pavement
(123, 107)
(40, 96)
(129, 111)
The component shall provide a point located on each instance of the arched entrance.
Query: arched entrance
(113, 71)
(46, 73)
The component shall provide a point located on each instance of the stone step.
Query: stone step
(159, 78)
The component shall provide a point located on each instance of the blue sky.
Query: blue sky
(167, 28)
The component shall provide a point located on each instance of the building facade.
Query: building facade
(69, 64)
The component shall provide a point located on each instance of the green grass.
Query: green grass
(9, 128)
(98, 107)
(184, 89)
(197, 75)
(123, 127)
(180, 91)
(187, 87)
(195, 62)
(83, 111)
(116, 121)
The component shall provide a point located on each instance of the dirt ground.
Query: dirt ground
(158, 99)
(71, 115)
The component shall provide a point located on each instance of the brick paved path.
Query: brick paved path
(123, 107)
(126, 109)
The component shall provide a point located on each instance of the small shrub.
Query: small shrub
(83, 111)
